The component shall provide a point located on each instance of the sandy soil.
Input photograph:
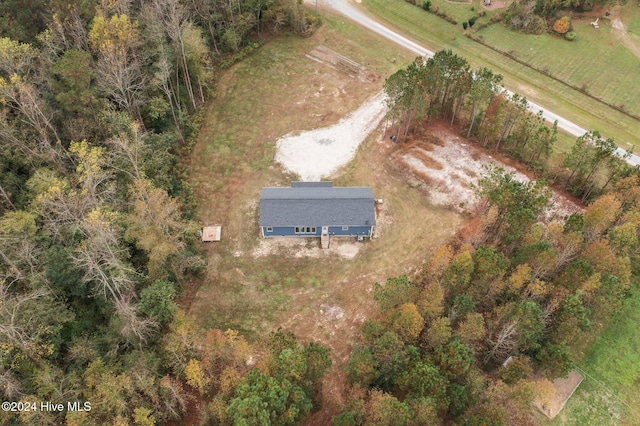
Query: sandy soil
(321, 152)
(455, 165)
(346, 248)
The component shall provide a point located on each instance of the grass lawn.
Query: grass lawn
(611, 366)
(437, 34)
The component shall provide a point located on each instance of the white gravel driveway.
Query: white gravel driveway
(319, 153)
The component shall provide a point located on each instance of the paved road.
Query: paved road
(347, 9)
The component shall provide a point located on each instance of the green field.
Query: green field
(436, 33)
(611, 366)
(596, 61)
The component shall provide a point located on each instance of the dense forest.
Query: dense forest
(512, 284)
(97, 235)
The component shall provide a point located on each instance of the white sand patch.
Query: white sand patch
(321, 152)
(348, 250)
(462, 166)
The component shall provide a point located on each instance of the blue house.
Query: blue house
(316, 209)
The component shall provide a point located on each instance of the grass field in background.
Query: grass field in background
(596, 60)
(436, 33)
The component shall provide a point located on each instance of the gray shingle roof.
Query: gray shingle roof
(317, 206)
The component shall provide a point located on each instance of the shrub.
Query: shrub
(464, 25)
(472, 21)
(571, 35)
(562, 25)
(426, 5)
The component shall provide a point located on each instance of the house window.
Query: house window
(269, 229)
(308, 230)
(297, 229)
(313, 230)
(345, 228)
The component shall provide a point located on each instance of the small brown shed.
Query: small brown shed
(211, 233)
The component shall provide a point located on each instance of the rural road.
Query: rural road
(345, 8)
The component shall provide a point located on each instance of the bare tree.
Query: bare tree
(135, 329)
(23, 98)
(501, 344)
(101, 258)
(116, 41)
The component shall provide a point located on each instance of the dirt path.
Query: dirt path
(619, 30)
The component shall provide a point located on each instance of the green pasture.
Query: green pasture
(611, 366)
(596, 60)
(436, 33)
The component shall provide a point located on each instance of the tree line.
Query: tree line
(97, 229)
(509, 286)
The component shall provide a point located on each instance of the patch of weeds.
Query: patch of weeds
(314, 281)
(280, 302)
(289, 281)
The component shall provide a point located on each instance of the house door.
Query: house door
(325, 230)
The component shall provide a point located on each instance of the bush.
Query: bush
(464, 25)
(562, 25)
(157, 301)
(520, 17)
(472, 21)
(571, 36)
(426, 5)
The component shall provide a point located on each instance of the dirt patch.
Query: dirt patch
(333, 59)
(426, 159)
(346, 248)
(563, 389)
(495, 5)
(451, 168)
(619, 30)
